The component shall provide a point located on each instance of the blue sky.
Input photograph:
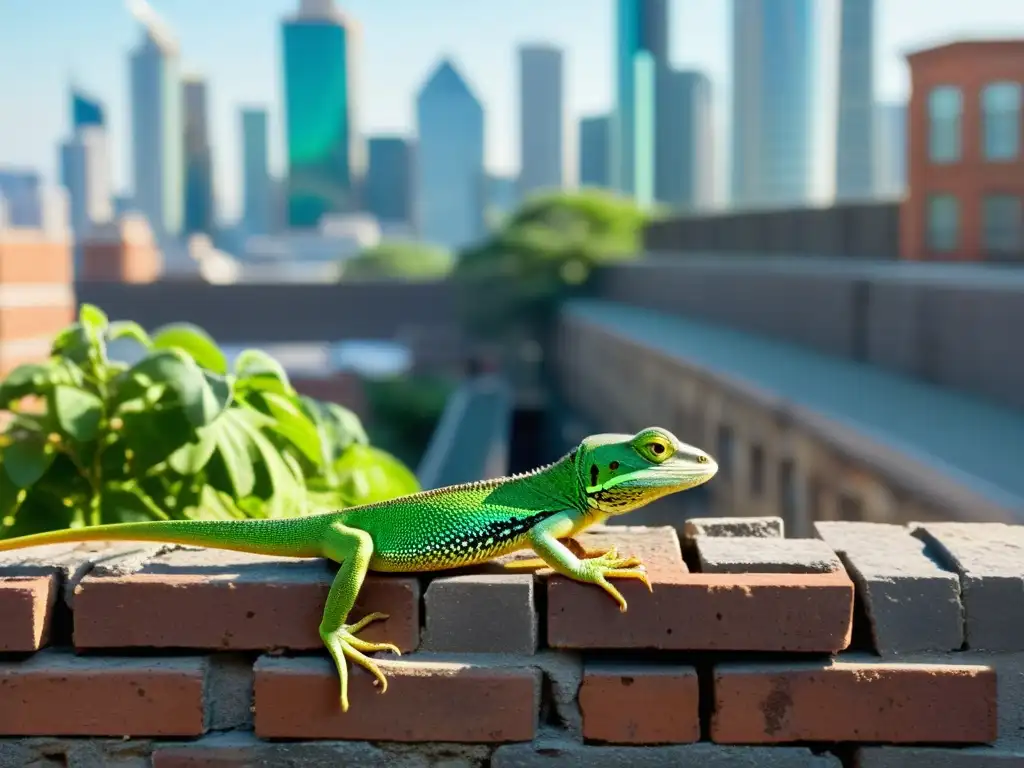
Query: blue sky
(236, 45)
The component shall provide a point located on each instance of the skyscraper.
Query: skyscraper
(890, 161)
(325, 157)
(85, 110)
(641, 57)
(199, 199)
(771, 109)
(257, 191)
(541, 119)
(388, 179)
(854, 127)
(686, 163)
(157, 162)
(594, 149)
(450, 180)
(22, 195)
(86, 172)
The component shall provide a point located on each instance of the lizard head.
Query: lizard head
(619, 473)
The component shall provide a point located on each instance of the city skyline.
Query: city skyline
(249, 74)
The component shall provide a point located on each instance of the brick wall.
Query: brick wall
(123, 251)
(866, 645)
(36, 294)
(775, 457)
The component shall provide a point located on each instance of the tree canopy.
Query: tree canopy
(400, 259)
(551, 243)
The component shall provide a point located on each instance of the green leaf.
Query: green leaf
(27, 460)
(26, 379)
(256, 369)
(128, 504)
(78, 412)
(202, 395)
(72, 343)
(93, 318)
(195, 342)
(374, 475)
(337, 427)
(293, 424)
(154, 434)
(237, 475)
(41, 511)
(279, 479)
(192, 457)
(11, 497)
(128, 329)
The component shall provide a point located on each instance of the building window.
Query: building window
(1002, 226)
(724, 449)
(943, 223)
(945, 109)
(1000, 116)
(756, 470)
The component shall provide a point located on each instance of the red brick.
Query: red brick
(30, 322)
(640, 703)
(297, 698)
(26, 605)
(58, 694)
(808, 612)
(854, 702)
(30, 259)
(231, 601)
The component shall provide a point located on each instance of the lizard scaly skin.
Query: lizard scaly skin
(542, 510)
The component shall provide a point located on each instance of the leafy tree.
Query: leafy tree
(399, 259)
(175, 435)
(511, 282)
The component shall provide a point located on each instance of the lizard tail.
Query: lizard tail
(291, 537)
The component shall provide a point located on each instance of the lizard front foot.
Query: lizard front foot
(610, 566)
(342, 643)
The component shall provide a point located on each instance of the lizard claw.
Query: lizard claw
(610, 566)
(342, 643)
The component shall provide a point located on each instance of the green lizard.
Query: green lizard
(542, 510)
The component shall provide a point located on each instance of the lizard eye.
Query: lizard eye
(656, 450)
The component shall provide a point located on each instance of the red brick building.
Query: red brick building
(123, 251)
(37, 296)
(965, 154)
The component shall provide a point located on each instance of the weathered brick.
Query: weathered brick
(26, 605)
(197, 598)
(481, 613)
(243, 750)
(853, 701)
(639, 703)
(58, 694)
(745, 527)
(566, 754)
(698, 611)
(989, 558)
(937, 757)
(759, 554)
(912, 604)
(297, 698)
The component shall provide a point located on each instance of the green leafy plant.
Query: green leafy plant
(177, 434)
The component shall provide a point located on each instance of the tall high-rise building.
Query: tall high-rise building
(86, 172)
(450, 181)
(594, 149)
(854, 127)
(199, 198)
(686, 163)
(22, 195)
(641, 59)
(541, 119)
(325, 155)
(158, 168)
(85, 110)
(890, 161)
(388, 187)
(257, 192)
(772, 73)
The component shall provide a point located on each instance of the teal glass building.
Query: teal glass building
(318, 46)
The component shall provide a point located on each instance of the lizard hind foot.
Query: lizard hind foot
(610, 566)
(342, 644)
